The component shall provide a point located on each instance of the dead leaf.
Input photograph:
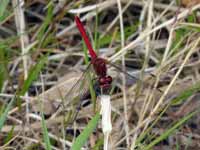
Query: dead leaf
(189, 3)
(57, 93)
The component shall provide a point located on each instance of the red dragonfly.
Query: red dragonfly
(99, 65)
(100, 68)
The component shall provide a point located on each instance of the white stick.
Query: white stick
(106, 118)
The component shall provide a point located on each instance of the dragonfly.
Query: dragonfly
(100, 67)
(99, 64)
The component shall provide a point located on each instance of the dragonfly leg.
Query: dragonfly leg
(78, 108)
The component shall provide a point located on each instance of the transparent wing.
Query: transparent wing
(78, 92)
(129, 75)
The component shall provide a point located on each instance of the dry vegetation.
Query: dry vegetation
(42, 56)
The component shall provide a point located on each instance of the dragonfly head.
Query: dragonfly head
(105, 82)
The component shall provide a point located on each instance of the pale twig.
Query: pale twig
(149, 11)
(193, 47)
(149, 4)
(102, 6)
(12, 71)
(110, 3)
(134, 130)
(90, 7)
(160, 102)
(37, 117)
(150, 117)
(11, 140)
(145, 33)
(123, 76)
(31, 99)
(87, 16)
(116, 18)
(36, 141)
(142, 17)
(20, 25)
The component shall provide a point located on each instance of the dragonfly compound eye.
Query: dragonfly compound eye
(109, 79)
(102, 80)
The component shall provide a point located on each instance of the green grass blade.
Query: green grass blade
(44, 27)
(82, 138)
(145, 133)
(170, 131)
(179, 99)
(186, 94)
(33, 74)
(45, 134)
(99, 144)
(5, 113)
(86, 58)
(9, 135)
(96, 38)
(91, 87)
(3, 64)
(128, 31)
(3, 6)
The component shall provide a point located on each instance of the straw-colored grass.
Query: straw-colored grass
(44, 76)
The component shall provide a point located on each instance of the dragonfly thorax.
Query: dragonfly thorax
(99, 66)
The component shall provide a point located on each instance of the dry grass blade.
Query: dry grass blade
(156, 42)
(21, 30)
